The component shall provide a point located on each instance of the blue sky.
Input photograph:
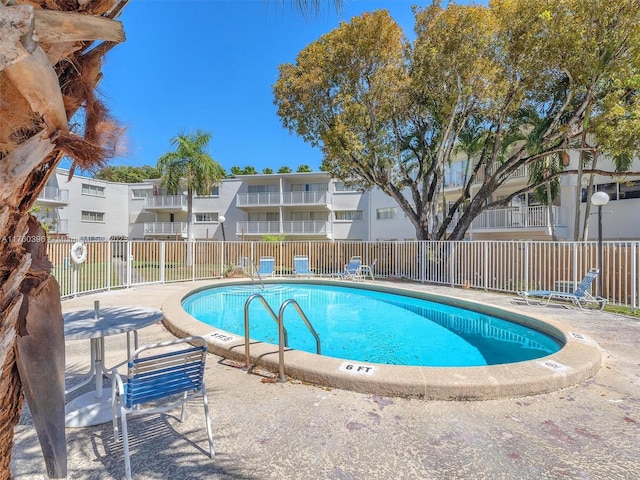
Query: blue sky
(210, 65)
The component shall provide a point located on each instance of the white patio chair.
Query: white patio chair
(352, 270)
(367, 270)
(167, 378)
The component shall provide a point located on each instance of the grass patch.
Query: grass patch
(622, 310)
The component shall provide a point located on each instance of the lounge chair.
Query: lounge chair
(163, 377)
(580, 296)
(266, 267)
(351, 270)
(367, 270)
(301, 266)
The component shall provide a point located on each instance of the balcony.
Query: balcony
(171, 203)
(455, 180)
(517, 217)
(59, 226)
(279, 199)
(309, 227)
(166, 229)
(53, 197)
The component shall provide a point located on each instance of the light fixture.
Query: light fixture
(221, 220)
(600, 199)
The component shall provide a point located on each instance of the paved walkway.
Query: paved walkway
(298, 431)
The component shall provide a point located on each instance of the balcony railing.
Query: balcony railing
(54, 195)
(59, 226)
(285, 198)
(166, 228)
(456, 179)
(308, 227)
(517, 217)
(171, 202)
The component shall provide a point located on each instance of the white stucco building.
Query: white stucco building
(309, 206)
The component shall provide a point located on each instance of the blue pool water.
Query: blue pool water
(371, 326)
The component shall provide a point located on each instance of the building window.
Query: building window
(215, 192)
(309, 187)
(341, 187)
(629, 190)
(94, 190)
(308, 217)
(349, 215)
(386, 213)
(92, 216)
(141, 193)
(206, 217)
(610, 189)
(262, 188)
(263, 217)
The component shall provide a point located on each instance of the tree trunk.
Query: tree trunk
(552, 225)
(39, 97)
(587, 205)
(31, 343)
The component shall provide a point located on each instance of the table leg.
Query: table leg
(94, 407)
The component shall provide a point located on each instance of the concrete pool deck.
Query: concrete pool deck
(296, 430)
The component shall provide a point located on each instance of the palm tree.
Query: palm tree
(189, 166)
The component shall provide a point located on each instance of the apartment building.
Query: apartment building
(313, 206)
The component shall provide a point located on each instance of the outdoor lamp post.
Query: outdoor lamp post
(221, 219)
(600, 199)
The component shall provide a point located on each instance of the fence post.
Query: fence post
(193, 259)
(109, 262)
(129, 263)
(575, 265)
(634, 276)
(74, 280)
(423, 261)
(526, 267)
(162, 261)
(485, 254)
(452, 262)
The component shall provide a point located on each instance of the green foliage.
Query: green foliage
(284, 170)
(267, 171)
(128, 174)
(510, 85)
(249, 170)
(273, 238)
(304, 169)
(189, 165)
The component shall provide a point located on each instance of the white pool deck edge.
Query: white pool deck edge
(579, 360)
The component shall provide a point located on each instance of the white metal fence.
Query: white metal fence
(504, 266)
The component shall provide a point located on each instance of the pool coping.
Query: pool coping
(579, 360)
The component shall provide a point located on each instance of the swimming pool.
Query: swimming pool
(373, 326)
(578, 360)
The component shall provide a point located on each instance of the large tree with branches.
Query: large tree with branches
(520, 82)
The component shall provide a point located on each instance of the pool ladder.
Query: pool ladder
(283, 338)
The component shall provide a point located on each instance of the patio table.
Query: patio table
(94, 407)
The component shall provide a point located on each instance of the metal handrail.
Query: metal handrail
(284, 334)
(285, 304)
(257, 270)
(283, 337)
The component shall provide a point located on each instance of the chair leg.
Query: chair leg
(205, 401)
(184, 404)
(125, 445)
